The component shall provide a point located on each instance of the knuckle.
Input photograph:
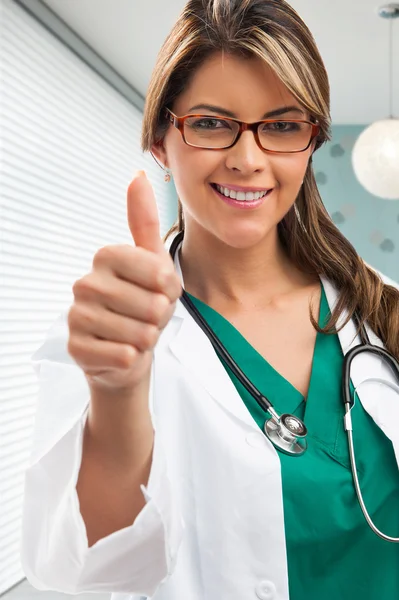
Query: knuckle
(77, 286)
(86, 316)
(93, 288)
(83, 288)
(157, 307)
(149, 336)
(73, 317)
(105, 255)
(125, 357)
(100, 256)
(75, 349)
(81, 317)
(163, 270)
(158, 271)
(168, 278)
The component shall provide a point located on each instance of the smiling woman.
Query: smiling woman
(256, 60)
(237, 105)
(265, 327)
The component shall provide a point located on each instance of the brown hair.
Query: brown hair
(274, 32)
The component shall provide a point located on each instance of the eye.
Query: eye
(281, 127)
(207, 123)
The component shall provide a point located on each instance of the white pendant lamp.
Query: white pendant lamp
(375, 156)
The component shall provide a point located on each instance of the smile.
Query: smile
(239, 195)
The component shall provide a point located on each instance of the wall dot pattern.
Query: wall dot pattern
(370, 223)
(387, 246)
(321, 178)
(338, 217)
(337, 151)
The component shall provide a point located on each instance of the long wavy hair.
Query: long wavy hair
(272, 31)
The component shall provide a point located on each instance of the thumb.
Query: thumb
(142, 214)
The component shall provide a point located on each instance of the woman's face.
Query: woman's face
(248, 89)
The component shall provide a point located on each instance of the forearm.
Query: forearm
(116, 461)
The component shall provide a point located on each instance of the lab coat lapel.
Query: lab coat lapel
(195, 352)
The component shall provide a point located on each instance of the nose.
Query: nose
(246, 156)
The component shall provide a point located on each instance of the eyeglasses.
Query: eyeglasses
(218, 133)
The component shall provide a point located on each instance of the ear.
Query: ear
(159, 151)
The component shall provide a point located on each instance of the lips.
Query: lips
(242, 203)
(239, 193)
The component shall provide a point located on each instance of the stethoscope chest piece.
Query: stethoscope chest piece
(288, 434)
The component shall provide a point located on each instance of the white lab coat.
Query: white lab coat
(213, 524)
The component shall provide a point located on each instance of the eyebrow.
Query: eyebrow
(227, 113)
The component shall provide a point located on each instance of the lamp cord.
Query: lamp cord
(391, 69)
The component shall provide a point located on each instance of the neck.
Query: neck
(251, 277)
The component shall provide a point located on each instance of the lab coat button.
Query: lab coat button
(266, 590)
(256, 440)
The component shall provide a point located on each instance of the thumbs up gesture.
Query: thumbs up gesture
(122, 305)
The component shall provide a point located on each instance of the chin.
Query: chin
(242, 237)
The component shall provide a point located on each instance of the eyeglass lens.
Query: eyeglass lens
(280, 136)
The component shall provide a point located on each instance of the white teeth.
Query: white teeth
(242, 196)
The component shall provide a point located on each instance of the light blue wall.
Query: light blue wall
(172, 212)
(371, 224)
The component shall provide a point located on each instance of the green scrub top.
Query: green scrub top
(332, 554)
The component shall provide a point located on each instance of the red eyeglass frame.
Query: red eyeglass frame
(178, 122)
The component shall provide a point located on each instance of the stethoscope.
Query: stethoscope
(287, 432)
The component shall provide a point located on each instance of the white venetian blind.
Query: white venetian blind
(70, 144)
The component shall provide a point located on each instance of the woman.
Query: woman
(208, 508)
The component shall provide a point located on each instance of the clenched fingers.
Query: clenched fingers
(102, 324)
(123, 298)
(146, 269)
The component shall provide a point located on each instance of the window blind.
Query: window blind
(70, 145)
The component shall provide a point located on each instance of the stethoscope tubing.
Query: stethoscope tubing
(266, 405)
(349, 430)
(263, 402)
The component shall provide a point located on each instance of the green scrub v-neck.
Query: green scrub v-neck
(332, 554)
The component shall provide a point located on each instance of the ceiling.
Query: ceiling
(353, 41)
